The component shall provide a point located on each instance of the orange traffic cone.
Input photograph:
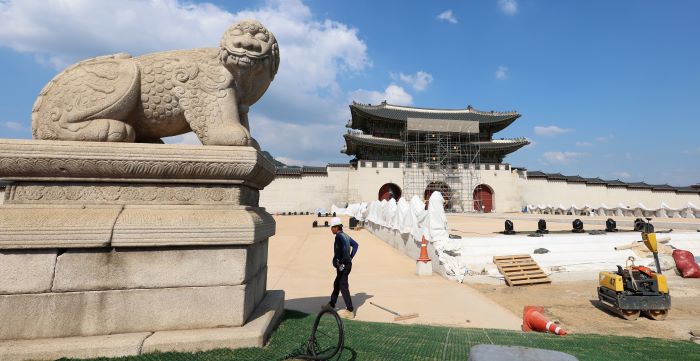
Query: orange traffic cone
(423, 251)
(534, 320)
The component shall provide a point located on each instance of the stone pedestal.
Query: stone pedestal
(161, 247)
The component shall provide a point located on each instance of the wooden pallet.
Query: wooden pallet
(520, 270)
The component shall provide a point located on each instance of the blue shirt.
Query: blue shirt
(344, 248)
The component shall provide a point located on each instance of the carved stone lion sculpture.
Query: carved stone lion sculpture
(119, 98)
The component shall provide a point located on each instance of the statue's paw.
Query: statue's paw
(107, 130)
(232, 136)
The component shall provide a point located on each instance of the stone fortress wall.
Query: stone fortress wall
(513, 190)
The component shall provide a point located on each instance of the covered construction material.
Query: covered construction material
(690, 210)
(402, 224)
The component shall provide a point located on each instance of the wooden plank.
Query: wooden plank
(505, 258)
(520, 270)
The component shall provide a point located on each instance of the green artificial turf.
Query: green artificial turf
(384, 341)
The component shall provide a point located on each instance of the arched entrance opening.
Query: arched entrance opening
(483, 198)
(389, 191)
(441, 187)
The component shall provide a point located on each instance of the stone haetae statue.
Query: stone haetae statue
(118, 98)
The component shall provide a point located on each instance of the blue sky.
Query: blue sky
(606, 88)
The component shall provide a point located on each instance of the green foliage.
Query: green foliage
(383, 341)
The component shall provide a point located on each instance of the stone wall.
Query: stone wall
(512, 190)
(555, 192)
(306, 192)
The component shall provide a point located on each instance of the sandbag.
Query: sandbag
(686, 263)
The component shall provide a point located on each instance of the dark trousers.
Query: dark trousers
(340, 285)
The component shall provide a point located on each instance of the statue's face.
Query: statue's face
(248, 44)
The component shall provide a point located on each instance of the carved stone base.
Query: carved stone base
(99, 239)
(253, 334)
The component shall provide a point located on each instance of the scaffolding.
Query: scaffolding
(442, 156)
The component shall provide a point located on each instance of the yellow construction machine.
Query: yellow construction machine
(637, 289)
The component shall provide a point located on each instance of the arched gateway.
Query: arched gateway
(483, 198)
(441, 187)
(389, 191)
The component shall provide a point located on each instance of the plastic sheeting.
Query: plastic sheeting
(410, 218)
(690, 210)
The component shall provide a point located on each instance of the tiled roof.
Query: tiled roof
(575, 179)
(503, 145)
(616, 183)
(298, 171)
(402, 113)
(288, 171)
(509, 145)
(595, 181)
(610, 183)
(663, 187)
(639, 185)
(306, 169)
(536, 174)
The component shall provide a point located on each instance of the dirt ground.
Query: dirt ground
(576, 307)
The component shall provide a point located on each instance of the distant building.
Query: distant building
(402, 151)
(379, 130)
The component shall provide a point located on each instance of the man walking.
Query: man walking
(344, 249)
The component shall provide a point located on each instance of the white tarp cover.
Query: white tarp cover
(567, 252)
(690, 210)
(411, 218)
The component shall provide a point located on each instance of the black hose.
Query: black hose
(310, 345)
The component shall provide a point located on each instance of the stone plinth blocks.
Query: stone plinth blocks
(110, 249)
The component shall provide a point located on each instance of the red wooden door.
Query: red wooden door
(483, 199)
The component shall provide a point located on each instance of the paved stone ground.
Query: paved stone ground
(300, 264)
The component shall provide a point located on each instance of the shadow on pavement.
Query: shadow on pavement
(313, 304)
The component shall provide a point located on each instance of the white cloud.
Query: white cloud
(418, 81)
(502, 72)
(13, 126)
(605, 138)
(551, 130)
(448, 16)
(306, 144)
(393, 94)
(562, 157)
(508, 7)
(298, 162)
(584, 144)
(306, 92)
(622, 175)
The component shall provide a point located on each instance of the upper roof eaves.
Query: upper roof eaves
(402, 113)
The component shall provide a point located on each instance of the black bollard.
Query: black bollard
(577, 226)
(542, 227)
(508, 227)
(610, 225)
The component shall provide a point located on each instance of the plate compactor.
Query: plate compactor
(637, 289)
